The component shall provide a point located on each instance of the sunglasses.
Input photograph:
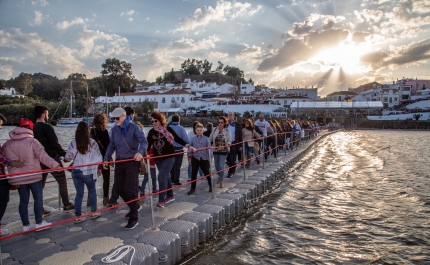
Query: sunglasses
(117, 118)
(221, 122)
(154, 121)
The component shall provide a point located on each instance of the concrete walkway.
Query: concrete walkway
(179, 227)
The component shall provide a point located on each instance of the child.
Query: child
(153, 173)
(200, 158)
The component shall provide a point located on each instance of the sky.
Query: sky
(331, 45)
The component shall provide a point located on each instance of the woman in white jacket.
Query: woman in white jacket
(84, 150)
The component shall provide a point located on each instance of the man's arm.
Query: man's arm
(53, 141)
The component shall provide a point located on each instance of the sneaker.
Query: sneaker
(28, 227)
(169, 199)
(69, 208)
(229, 175)
(45, 213)
(131, 224)
(192, 191)
(142, 194)
(177, 184)
(155, 191)
(95, 215)
(140, 208)
(80, 220)
(111, 204)
(160, 204)
(4, 231)
(44, 224)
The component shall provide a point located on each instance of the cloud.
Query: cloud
(39, 2)
(217, 55)
(415, 52)
(99, 44)
(326, 38)
(186, 44)
(127, 13)
(374, 59)
(66, 24)
(45, 57)
(250, 54)
(359, 36)
(223, 10)
(291, 52)
(280, 6)
(37, 19)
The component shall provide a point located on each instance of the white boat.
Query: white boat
(72, 122)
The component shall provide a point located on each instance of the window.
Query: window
(177, 98)
(132, 100)
(385, 99)
(391, 100)
(395, 99)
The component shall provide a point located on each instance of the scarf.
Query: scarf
(124, 126)
(163, 130)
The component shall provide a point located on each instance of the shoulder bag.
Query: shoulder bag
(143, 169)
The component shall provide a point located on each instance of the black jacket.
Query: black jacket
(45, 134)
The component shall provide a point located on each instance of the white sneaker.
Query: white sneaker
(4, 231)
(43, 225)
(140, 208)
(25, 228)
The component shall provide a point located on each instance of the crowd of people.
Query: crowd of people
(35, 147)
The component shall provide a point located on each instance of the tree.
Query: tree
(23, 83)
(169, 77)
(2, 84)
(246, 114)
(206, 67)
(219, 67)
(233, 71)
(147, 107)
(159, 80)
(235, 91)
(192, 67)
(116, 73)
(251, 81)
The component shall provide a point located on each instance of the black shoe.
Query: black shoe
(229, 175)
(69, 208)
(131, 224)
(177, 184)
(192, 191)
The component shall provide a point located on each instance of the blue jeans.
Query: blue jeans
(175, 173)
(24, 198)
(4, 196)
(164, 166)
(219, 161)
(153, 173)
(79, 179)
(190, 170)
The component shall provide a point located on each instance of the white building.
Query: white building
(390, 97)
(9, 92)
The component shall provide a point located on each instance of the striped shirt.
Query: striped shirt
(199, 143)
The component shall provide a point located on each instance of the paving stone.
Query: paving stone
(50, 232)
(203, 220)
(146, 221)
(16, 243)
(217, 213)
(187, 231)
(36, 254)
(72, 238)
(168, 244)
(10, 261)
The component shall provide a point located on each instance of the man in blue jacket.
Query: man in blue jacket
(129, 143)
(175, 173)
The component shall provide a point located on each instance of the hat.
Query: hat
(118, 112)
(24, 122)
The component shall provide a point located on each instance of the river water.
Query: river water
(357, 197)
(351, 200)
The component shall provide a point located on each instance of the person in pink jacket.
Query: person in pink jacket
(22, 146)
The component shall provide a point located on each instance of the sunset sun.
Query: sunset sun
(345, 56)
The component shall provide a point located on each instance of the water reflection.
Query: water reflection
(349, 201)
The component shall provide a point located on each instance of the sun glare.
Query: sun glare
(345, 56)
